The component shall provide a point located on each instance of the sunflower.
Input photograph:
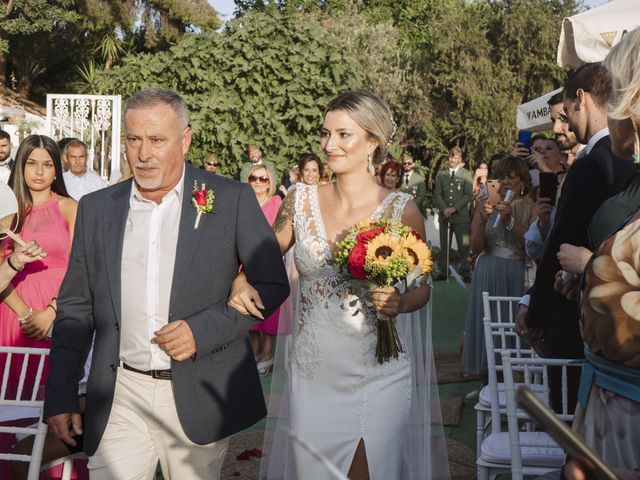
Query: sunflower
(418, 253)
(381, 249)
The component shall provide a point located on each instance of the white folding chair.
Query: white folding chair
(24, 403)
(499, 313)
(526, 452)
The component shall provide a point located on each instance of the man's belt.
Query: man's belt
(157, 374)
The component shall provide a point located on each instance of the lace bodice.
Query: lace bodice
(324, 297)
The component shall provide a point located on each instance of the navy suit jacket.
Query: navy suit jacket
(589, 182)
(217, 392)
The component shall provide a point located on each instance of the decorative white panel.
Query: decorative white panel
(94, 119)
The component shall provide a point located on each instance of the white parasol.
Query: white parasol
(588, 36)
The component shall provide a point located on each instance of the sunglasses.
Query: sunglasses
(258, 179)
(211, 164)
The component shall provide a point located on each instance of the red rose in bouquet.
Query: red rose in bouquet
(357, 259)
(365, 237)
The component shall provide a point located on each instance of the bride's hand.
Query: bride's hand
(387, 300)
(244, 298)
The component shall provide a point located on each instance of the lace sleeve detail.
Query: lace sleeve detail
(392, 207)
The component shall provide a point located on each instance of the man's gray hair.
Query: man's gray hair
(154, 96)
(76, 142)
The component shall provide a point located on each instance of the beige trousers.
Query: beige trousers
(143, 429)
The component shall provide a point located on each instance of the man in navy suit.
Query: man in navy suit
(172, 373)
(552, 319)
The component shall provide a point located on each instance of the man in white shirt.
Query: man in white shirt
(172, 374)
(254, 154)
(78, 179)
(6, 162)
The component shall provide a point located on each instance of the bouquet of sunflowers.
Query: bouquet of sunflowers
(381, 253)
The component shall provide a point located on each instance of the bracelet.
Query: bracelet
(24, 319)
(12, 266)
(512, 222)
(52, 308)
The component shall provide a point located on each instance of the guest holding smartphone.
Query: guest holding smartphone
(497, 232)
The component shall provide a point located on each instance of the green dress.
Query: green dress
(500, 271)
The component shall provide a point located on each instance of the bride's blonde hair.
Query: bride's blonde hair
(372, 113)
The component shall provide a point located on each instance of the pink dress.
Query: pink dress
(270, 325)
(39, 281)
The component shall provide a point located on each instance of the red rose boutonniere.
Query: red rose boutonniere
(203, 200)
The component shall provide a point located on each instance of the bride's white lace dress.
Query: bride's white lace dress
(335, 391)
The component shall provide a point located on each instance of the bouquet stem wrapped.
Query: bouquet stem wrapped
(388, 344)
(379, 253)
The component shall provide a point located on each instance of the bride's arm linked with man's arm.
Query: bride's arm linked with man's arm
(387, 300)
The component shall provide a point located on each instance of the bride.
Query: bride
(340, 412)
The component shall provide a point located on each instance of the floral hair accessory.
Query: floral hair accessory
(203, 199)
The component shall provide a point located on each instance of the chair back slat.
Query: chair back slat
(23, 374)
(34, 392)
(5, 376)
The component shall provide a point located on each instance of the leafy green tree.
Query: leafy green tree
(453, 70)
(49, 40)
(20, 18)
(266, 79)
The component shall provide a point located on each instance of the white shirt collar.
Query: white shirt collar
(595, 138)
(177, 190)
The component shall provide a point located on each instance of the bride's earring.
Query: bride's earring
(371, 168)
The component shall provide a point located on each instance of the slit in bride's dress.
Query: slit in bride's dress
(359, 469)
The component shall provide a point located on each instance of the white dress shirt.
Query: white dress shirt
(4, 173)
(78, 186)
(148, 258)
(594, 139)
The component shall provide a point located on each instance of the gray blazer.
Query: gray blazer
(217, 392)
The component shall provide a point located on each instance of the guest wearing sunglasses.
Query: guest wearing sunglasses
(262, 336)
(211, 163)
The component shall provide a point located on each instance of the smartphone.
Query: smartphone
(562, 434)
(524, 137)
(493, 191)
(548, 186)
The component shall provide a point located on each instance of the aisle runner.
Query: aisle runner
(449, 368)
(242, 445)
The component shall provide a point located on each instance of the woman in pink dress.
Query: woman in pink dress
(46, 215)
(262, 336)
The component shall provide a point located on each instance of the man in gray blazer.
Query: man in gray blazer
(172, 375)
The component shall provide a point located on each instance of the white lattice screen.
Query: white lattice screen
(94, 119)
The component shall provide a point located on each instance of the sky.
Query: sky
(226, 7)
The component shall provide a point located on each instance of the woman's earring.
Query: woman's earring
(522, 190)
(371, 168)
